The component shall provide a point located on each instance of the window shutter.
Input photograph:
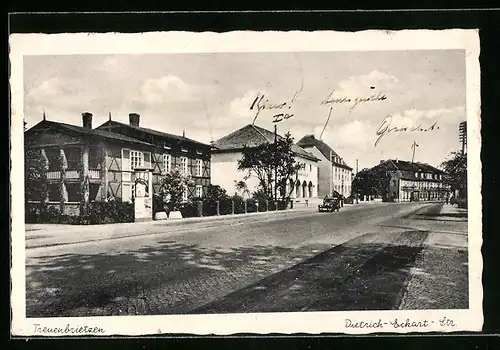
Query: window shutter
(147, 159)
(125, 160)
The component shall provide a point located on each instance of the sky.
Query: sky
(209, 95)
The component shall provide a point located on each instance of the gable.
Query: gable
(51, 137)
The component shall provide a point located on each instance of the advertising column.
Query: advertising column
(143, 195)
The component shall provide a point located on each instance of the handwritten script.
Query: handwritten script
(385, 128)
(332, 99)
(281, 109)
(399, 323)
(69, 329)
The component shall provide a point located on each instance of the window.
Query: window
(136, 159)
(185, 194)
(198, 167)
(310, 167)
(184, 166)
(74, 193)
(199, 191)
(54, 192)
(167, 163)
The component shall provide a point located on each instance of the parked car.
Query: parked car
(329, 204)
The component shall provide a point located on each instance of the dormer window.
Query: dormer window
(199, 152)
(416, 174)
(184, 149)
(166, 146)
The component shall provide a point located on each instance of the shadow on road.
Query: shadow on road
(344, 278)
(165, 278)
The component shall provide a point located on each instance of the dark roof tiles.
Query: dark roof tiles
(311, 141)
(253, 136)
(150, 131)
(92, 132)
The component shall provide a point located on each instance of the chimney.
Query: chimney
(133, 119)
(381, 161)
(87, 120)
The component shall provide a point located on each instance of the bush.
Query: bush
(189, 209)
(110, 212)
(239, 204)
(462, 203)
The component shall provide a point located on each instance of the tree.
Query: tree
(372, 182)
(455, 168)
(267, 159)
(35, 168)
(215, 193)
(242, 188)
(172, 187)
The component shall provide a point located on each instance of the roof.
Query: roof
(311, 141)
(91, 132)
(410, 168)
(253, 136)
(151, 132)
(413, 167)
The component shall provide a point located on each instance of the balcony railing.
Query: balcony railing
(53, 175)
(73, 174)
(94, 174)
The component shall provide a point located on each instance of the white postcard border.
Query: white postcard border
(286, 323)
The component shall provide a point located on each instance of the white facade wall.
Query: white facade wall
(329, 172)
(224, 172)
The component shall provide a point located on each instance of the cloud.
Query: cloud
(167, 88)
(413, 117)
(59, 96)
(355, 133)
(240, 106)
(112, 65)
(361, 84)
(52, 88)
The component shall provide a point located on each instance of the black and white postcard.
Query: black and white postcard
(246, 182)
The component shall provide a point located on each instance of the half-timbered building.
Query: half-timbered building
(168, 151)
(82, 164)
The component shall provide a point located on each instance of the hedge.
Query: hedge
(99, 213)
(209, 208)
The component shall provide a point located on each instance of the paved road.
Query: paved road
(364, 257)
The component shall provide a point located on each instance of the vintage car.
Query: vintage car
(330, 204)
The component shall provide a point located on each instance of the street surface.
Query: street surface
(366, 257)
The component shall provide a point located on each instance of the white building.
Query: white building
(228, 151)
(334, 174)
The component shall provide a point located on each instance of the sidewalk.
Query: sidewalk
(44, 235)
(446, 212)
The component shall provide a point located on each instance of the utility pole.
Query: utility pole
(462, 128)
(413, 146)
(331, 175)
(357, 199)
(275, 162)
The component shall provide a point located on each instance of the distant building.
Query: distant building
(86, 165)
(413, 181)
(228, 151)
(334, 174)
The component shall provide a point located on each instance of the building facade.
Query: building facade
(167, 152)
(410, 181)
(228, 151)
(334, 174)
(82, 164)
